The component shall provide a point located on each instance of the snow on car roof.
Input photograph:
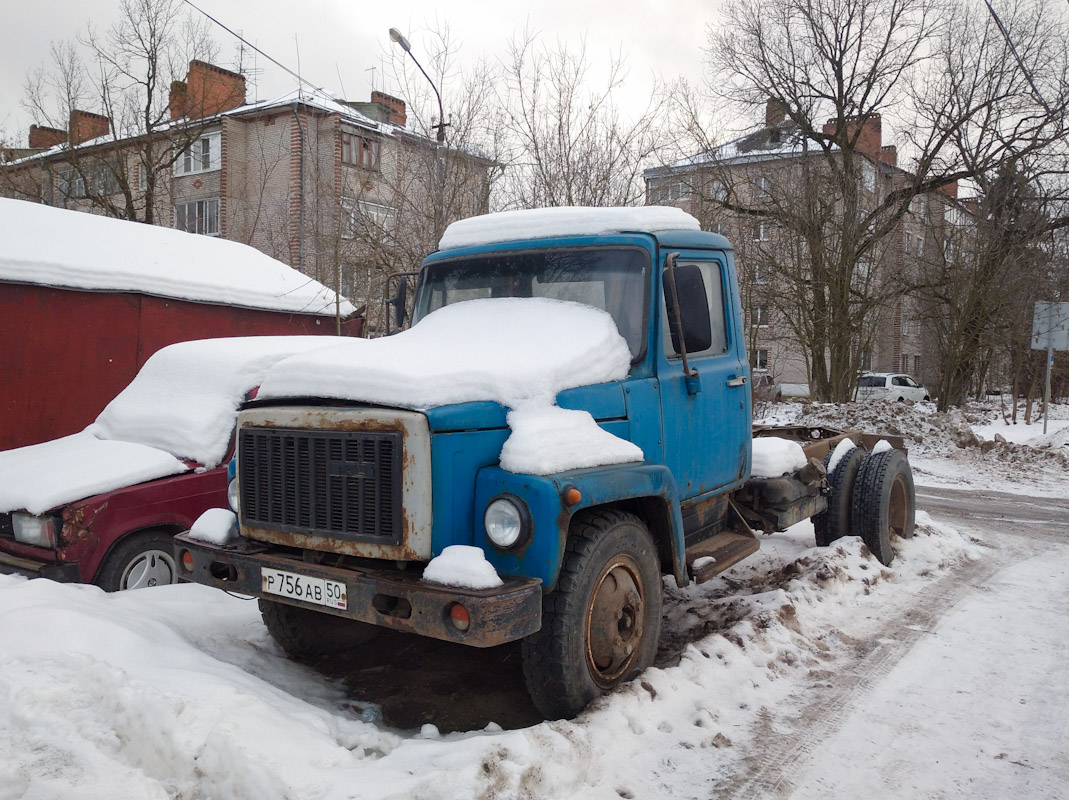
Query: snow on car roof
(181, 405)
(77, 250)
(537, 223)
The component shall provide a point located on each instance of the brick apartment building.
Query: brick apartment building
(768, 162)
(342, 191)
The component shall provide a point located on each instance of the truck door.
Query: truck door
(706, 420)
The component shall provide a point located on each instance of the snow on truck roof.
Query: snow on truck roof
(538, 223)
(49, 246)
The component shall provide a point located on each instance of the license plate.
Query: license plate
(302, 587)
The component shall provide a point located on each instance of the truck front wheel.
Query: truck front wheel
(601, 625)
(885, 502)
(302, 632)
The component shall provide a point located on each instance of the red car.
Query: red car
(102, 505)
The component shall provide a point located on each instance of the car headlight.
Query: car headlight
(232, 494)
(38, 531)
(507, 521)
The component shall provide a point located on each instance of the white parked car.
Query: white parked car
(894, 386)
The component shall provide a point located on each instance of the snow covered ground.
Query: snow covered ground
(801, 672)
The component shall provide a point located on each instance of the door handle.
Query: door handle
(739, 381)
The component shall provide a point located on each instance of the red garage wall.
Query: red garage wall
(64, 354)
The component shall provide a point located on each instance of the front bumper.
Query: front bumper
(389, 598)
(61, 572)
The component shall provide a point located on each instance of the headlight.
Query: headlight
(232, 494)
(39, 531)
(506, 520)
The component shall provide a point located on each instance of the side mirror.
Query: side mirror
(692, 313)
(400, 302)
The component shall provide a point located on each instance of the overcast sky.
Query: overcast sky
(346, 37)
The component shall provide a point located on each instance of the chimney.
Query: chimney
(869, 142)
(889, 154)
(177, 101)
(85, 126)
(775, 112)
(950, 189)
(207, 90)
(396, 106)
(43, 137)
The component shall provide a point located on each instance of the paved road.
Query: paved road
(981, 507)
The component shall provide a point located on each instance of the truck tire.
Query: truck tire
(302, 632)
(138, 561)
(601, 625)
(835, 523)
(885, 502)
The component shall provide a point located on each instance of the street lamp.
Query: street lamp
(399, 38)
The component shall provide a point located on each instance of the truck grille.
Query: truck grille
(342, 484)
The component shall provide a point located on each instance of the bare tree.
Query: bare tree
(572, 145)
(834, 70)
(119, 155)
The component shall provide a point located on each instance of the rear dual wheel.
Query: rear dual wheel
(884, 502)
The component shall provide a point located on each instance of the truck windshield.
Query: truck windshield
(612, 279)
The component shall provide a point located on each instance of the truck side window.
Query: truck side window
(701, 301)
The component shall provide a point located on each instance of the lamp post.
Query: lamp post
(439, 211)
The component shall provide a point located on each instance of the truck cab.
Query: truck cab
(342, 502)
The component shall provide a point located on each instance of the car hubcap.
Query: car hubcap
(152, 568)
(614, 622)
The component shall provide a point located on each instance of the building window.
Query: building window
(868, 176)
(198, 216)
(905, 363)
(360, 151)
(760, 232)
(72, 184)
(760, 272)
(717, 227)
(718, 192)
(763, 187)
(760, 359)
(916, 367)
(760, 317)
(105, 181)
(920, 245)
(202, 155)
(369, 221)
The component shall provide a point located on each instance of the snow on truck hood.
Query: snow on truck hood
(519, 352)
(181, 405)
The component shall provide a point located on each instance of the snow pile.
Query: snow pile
(43, 476)
(773, 456)
(184, 400)
(215, 526)
(464, 566)
(945, 448)
(537, 223)
(178, 692)
(548, 439)
(519, 352)
(76, 250)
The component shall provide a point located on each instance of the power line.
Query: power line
(240, 38)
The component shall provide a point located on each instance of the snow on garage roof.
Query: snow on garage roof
(77, 250)
(536, 223)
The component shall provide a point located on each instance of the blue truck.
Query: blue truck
(342, 504)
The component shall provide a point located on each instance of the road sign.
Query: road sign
(1050, 326)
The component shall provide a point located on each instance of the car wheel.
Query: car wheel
(601, 625)
(139, 561)
(884, 502)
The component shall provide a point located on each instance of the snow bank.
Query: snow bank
(184, 400)
(539, 223)
(548, 439)
(463, 566)
(43, 476)
(773, 456)
(215, 526)
(511, 350)
(76, 250)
